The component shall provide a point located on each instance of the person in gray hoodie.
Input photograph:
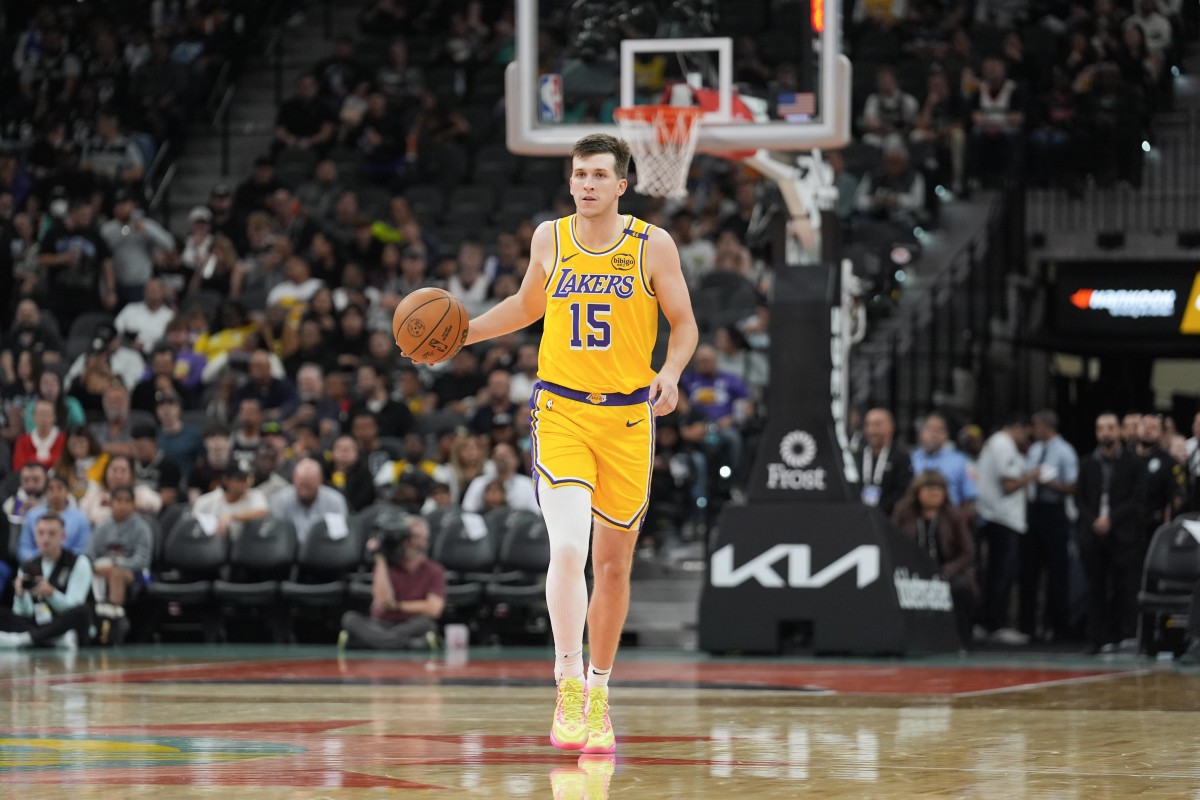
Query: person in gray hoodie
(133, 239)
(120, 550)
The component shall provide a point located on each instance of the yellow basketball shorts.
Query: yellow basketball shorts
(603, 442)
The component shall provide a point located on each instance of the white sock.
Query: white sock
(568, 665)
(597, 678)
(568, 514)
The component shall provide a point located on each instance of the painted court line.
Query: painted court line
(1024, 687)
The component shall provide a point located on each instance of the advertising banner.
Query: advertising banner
(804, 565)
(1121, 299)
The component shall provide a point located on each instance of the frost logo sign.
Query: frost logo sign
(797, 450)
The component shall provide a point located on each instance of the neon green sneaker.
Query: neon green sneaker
(600, 736)
(568, 783)
(569, 731)
(599, 771)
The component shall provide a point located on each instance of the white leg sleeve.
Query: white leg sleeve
(568, 514)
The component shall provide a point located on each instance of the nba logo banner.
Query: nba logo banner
(550, 98)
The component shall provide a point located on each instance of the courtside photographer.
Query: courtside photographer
(408, 590)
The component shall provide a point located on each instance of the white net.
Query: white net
(663, 141)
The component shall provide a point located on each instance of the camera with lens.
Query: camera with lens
(391, 532)
(29, 582)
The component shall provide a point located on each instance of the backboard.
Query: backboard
(780, 60)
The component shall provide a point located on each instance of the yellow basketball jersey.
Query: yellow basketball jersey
(601, 314)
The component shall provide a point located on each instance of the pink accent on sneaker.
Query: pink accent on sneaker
(568, 745)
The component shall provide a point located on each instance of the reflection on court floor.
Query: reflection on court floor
(187, 723)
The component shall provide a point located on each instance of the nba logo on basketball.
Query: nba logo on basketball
(550, 98)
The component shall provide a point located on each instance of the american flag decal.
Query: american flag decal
(796, 104)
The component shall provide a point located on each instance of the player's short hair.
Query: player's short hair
(596, 143)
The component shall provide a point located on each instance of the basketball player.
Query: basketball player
(599, 279)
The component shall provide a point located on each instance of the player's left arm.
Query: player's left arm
(666, 278)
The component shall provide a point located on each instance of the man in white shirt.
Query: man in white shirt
(299, 287)
(470, 284)
(146, 321)
(1003, 478)
(518, 488)
(1155, 27)
(233, 504)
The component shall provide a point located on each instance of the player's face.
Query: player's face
(595, 185)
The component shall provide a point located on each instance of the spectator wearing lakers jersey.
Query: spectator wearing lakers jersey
(722, 397)
(414, 468)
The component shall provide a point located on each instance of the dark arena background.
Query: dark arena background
(925, 523)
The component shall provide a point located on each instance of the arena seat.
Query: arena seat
(191, 561)
(324, 565)
(260, 556)
(523, 560)
(1169, 575)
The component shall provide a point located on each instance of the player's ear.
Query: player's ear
(622, 185)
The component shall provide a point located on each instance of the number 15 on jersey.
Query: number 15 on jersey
(598, 328)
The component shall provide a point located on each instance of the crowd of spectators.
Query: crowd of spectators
(247, 367)
(1022, 509)
(962, 95)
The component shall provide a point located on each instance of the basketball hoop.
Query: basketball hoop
(663, 141)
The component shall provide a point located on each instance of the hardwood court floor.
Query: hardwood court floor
(230, 722)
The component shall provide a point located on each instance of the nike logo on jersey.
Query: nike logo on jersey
(631, 424)
(565, 259)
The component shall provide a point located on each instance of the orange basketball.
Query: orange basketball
(430, 325)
